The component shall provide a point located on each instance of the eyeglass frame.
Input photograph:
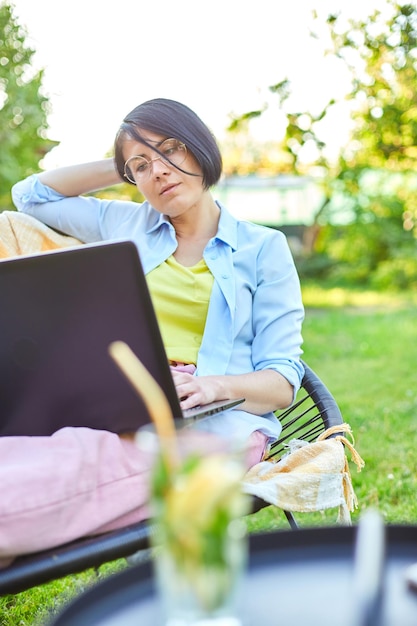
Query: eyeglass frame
(149, 162)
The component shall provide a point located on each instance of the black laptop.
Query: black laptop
(59, 312)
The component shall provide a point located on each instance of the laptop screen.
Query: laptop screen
(59, 313)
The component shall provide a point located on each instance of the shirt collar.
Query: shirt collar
(226, 233)
(157, 220)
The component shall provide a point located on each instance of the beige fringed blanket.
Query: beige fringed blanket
(311, 477)
(22, 234)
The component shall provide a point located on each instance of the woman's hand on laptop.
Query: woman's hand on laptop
(264, 390)
(197, 391)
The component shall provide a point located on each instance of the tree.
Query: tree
(377, 169)
(23, 107)
(370, 190)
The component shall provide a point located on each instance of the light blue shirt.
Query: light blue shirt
(255, 311)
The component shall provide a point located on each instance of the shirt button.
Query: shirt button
(225, 276)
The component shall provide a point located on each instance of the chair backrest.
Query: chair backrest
(314, 411)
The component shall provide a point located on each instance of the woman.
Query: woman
(226, 292)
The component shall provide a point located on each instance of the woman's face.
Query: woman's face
(166, 188)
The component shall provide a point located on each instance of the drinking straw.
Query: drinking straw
(151, 393)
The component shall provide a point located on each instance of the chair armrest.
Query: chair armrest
(35, 569)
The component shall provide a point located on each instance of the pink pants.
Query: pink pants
(75, 483)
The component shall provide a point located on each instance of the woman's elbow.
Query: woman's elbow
(283, 392)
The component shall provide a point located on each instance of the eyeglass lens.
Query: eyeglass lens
(138, 168)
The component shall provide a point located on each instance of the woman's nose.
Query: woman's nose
(159, 166)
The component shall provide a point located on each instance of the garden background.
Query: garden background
(358, 271)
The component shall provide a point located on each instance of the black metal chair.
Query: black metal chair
(314, 411)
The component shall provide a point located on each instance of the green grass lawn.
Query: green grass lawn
(366, 353)
(363, 346)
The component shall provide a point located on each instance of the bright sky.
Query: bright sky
(102, 58)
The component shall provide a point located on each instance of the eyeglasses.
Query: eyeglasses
(138, 169)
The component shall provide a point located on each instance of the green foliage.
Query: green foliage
(398, 273)
(381, 54)
(376, 246)
(23, 107)
(375, 253)
(372, 184)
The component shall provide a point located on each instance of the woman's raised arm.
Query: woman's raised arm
(75, 180)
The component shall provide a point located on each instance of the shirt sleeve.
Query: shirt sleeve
(76, 216)
(278, 312)
(88, 218)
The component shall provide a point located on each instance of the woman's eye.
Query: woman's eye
(140, 166)
(168, 152)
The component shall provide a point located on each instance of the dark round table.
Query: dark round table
(299, 577)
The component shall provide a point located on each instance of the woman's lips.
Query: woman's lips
(165, 190)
